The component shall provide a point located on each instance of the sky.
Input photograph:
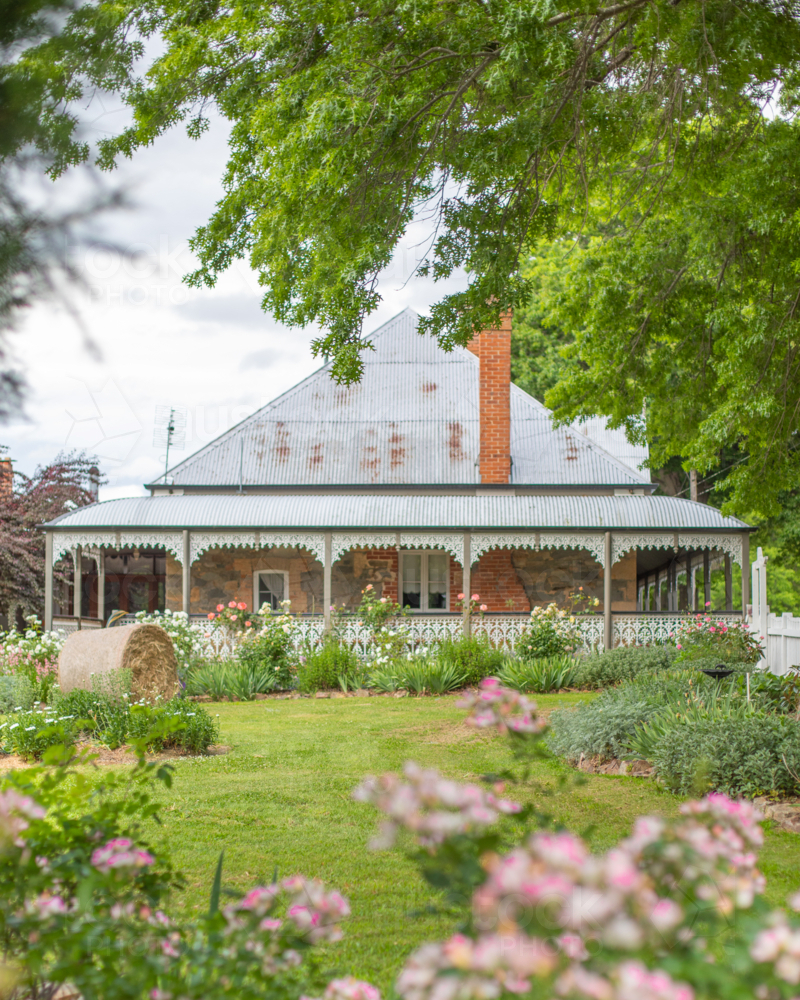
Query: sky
(144, 341)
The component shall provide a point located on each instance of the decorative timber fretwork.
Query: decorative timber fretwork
(202, 541)
(622, 542)
(64, 542)
(730, 544)
(452, 543)
(341, 543)
(593, 542)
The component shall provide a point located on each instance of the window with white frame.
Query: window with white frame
(270, 586)
(425, 580)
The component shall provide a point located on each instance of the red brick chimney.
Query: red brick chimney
(6, 479)
(493, 349)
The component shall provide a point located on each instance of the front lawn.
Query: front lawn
(281, 799)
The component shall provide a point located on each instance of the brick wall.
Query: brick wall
(495, 579)
(493, 349)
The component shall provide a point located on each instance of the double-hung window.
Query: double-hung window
(425, 580)
(270, 587)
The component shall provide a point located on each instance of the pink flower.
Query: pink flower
(461, 597)
(241, 606)
(13, 807)
(120, 854)
(484, 607)
(231, 604)
(49, 906)
(220, 607)
(351, 989)
(247, 624)
(476, 597)
(368, 587)
(708, 604)
(211, 616)
(678, 646)
(384, 600)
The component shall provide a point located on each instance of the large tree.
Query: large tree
(68, 482)
(692, 316)
(505, 122)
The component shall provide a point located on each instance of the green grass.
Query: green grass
(282, 800)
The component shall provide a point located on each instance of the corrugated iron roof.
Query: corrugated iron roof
(614, 440)
(413, 419)
(267, 511)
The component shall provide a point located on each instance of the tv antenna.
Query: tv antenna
(169, 430)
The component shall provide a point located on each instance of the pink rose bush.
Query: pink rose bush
(15, 811)
(701, 636)
(121, 854)
(495, 706)
(432, 807)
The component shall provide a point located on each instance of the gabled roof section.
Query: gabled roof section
(412, 420)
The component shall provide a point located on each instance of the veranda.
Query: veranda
(654, 579)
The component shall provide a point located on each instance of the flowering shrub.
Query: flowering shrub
(235, 616)
(501, 708)
(389, 640)
(552, 631)
(647, 920)
(431, 806)
(376, 611)
(185, 637)
(269, 648)
(702, 636)
(33, 654)
(29, 734)
(83, 903)
(471, 605)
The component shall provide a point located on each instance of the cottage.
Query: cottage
(435, 475)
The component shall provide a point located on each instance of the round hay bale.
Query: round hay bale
(145, 650)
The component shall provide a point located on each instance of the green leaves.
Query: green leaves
(691, 317)
(502, 121)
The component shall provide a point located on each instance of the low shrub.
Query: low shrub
(113, 722)
(471, 656)
(327, 667)
(29, 734)
(606, 725)
(759, 755)
(232, 680)
(16, 691)
(601, 670)
(546, 674)
(426, 675)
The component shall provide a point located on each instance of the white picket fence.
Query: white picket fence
(780, 634)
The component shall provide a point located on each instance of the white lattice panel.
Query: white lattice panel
(427, 631)
(591, 629)
(307, 632)
(502, 631)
